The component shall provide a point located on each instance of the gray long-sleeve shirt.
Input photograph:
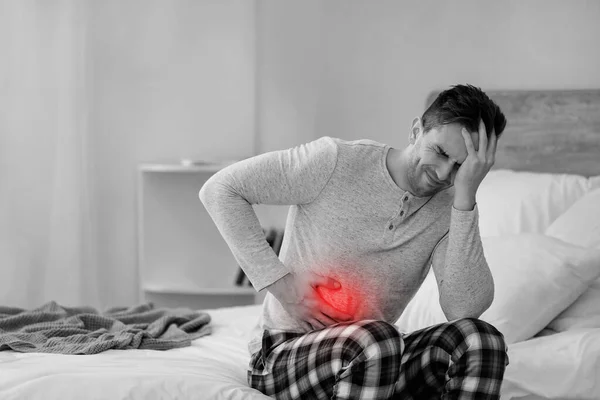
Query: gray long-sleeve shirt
(347, 219)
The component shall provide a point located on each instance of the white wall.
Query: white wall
(362, 69)
(170, 79)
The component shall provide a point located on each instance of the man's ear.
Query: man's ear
(415, 129)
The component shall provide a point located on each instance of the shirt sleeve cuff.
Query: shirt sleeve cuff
(262, 282)
(465, 218)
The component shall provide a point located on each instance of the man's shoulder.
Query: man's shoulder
(321, 151)
(359, 153)
(356, 143)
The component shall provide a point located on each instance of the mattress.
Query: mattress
(559, 366)
(213, 367)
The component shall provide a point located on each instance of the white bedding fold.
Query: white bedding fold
(560, 366)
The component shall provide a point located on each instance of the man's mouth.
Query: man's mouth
(434, 182)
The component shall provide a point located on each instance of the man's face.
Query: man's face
(435, 158)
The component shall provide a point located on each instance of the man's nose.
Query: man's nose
(444, 172)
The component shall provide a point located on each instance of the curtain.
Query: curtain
(47, 228)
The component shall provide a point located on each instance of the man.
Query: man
(365, 224)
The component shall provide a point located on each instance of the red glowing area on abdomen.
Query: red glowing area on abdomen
(344, 299)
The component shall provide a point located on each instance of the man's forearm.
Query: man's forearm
(240, 228)
(284, 177)
(464, 201)
(468, 286)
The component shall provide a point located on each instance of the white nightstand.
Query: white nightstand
(182, 259)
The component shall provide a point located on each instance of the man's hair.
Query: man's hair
(465, 105)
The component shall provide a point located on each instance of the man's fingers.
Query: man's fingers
(325, 320)
(468, 141)
(315, 323)
(483, 140)
(326, 281)
(307, 325)
(335, 314)
(492, 147)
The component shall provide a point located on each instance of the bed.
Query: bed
(549, 132)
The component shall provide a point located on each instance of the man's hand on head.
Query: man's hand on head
(475, 167)
(298, 295)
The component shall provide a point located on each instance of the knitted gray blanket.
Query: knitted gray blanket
(53, 328)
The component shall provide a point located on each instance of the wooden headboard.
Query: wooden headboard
(548, 131)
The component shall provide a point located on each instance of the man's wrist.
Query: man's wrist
(464, 201)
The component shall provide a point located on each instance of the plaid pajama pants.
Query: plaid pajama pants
(461, 359)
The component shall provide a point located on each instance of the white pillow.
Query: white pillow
(513, 202)
(536, 277)
(580, 225)
(583, 313)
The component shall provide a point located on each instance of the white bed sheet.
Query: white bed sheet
(560, 366)
(214, 367)
(565, 365)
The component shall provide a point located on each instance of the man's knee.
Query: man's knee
(484, 339)
(371, 338)
(481, 334)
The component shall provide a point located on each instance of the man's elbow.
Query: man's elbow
(208, 191)
(203, 192)
(473, 307)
